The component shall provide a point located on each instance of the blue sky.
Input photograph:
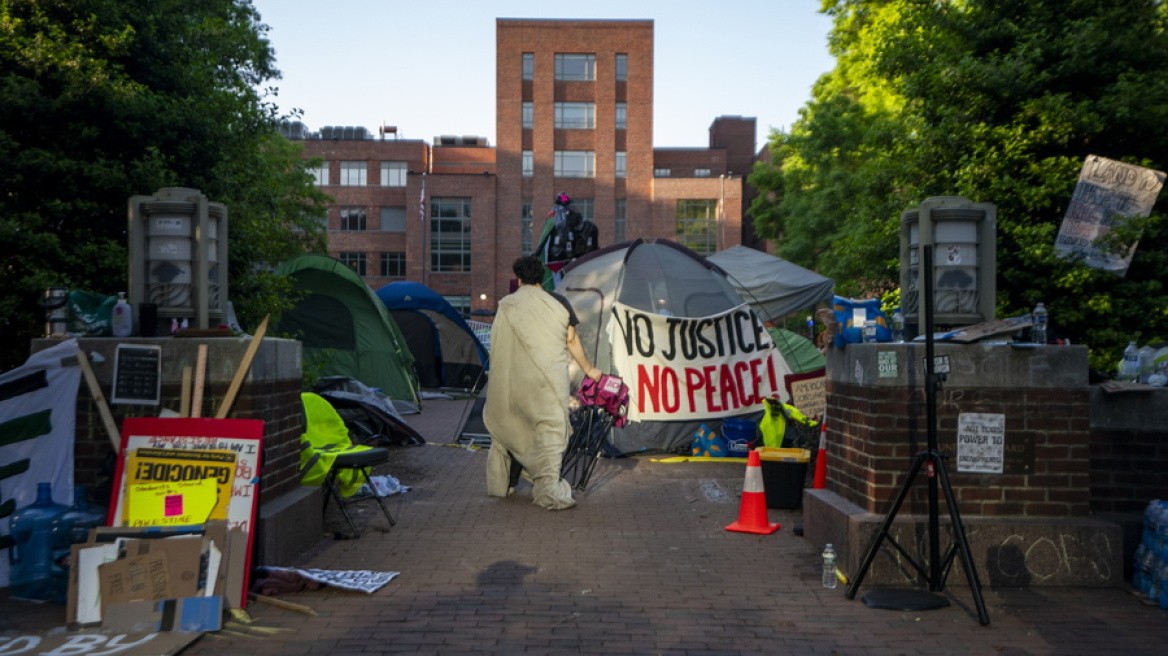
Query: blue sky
(428, 67)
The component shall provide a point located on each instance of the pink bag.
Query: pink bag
(610, 393)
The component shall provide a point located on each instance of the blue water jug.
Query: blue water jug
(31, 553)
(69, 528)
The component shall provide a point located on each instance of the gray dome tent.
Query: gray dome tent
(773, 286)
(663, 287)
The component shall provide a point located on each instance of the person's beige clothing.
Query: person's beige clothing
(527, 395)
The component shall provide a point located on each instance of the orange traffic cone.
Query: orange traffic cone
(752, 511)
(820, 482)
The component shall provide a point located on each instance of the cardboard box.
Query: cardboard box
(188, 615)
(120, 566)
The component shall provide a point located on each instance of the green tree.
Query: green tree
(101, 100)
(1001, 102)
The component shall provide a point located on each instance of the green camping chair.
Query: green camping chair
(329, 458)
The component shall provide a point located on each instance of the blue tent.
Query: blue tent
(446, 351)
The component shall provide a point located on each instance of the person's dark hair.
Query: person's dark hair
(529, 270)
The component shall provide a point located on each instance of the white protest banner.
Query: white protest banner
(1107, 192)
(38, 409)
(687, 368)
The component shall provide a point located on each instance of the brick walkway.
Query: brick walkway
(642, 565)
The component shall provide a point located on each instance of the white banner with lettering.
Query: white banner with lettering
(693, 368)
(38, 410)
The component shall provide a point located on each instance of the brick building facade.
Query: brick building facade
(574, 113)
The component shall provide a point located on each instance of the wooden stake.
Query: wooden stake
(184, 403)
(200, 382)
(107, 418)
(280, 603)
(244, 366)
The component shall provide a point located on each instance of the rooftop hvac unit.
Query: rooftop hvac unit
(446, 140)
(360, 133)
(330, 132)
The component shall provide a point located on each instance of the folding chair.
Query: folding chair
(330, 459)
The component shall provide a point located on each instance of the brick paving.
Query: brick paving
(642, 565)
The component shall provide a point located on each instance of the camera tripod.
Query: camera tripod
(933, 462)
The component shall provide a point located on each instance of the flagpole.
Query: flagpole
(422, 219)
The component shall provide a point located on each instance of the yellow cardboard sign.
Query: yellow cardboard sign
(171, 504)
(155, 473)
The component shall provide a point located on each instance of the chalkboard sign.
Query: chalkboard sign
(137, 375)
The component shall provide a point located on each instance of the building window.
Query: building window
(355, 261)
(528, 164)
(525, 228)
(393, 265)
(622, 67)
(575, 67)
(697, 224)
(575, 164)
(450, 235)
(354, 174)
(701, 173)
(622, 164)
(460, 303)
(529, 65)
(393, 219)
(528, 115)
(575, 115)
(393, 174)
(320, 174)
(622, 116)
(621, 220)
(662, 173)
(354, 218)
(586, 207)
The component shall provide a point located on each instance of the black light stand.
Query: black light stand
(933, 462)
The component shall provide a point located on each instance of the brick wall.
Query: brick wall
(1129, 450)
(875, 433)
(876, 425)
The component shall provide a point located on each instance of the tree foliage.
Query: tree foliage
(995, 100)
(101, 100)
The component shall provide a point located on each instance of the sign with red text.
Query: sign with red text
(242, 437)
(681, 368)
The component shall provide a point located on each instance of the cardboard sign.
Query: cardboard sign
(1107, 192)
(808, 392)
(243, 437)
(166, 486)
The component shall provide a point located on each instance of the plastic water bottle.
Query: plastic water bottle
(122, 320)
(829, 580)
(1038, 333)
(1138, 572)
(31, 554)
(67, 529)
(897, 326)
(1164, 588)
(1148, 565)
(1130, 370)
(1160, 526)
(869, 331)
(1144, 357)
(1154, 583)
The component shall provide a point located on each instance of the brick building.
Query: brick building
(574, 114)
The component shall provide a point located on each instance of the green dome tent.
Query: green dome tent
(345, 329)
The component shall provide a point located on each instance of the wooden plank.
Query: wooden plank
(184, 409)
(244, 366)
(200, 382)
(107, 418)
